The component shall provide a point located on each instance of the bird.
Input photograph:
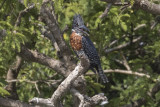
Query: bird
(82, 45)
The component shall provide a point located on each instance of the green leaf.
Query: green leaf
(123, 26)
(26, 3)
(3, 92)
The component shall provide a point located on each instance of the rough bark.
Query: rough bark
(141, 4)
(5, 102)
(66, 84)
(148, 6)
(49, 18)
(34, 56)
(12, 74)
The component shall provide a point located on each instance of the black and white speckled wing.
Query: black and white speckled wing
(94, 59)
(90, 51)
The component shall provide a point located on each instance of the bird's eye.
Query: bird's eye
(81, 29)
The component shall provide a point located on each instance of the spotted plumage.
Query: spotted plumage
(81, 44)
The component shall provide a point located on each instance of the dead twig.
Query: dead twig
(105, 13)
(122, 45)
(18, 21)
(122, 72)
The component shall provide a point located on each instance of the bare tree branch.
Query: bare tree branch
(66, 84)
(36, 85)
(135, 29)
(49, 35)
(127, 72)
(15, 68)
(123, 72)
(125, 63)
(12, 74)
(18, 21)
(115, 41)
(148, 6)
(105, 13)
(140, 26)
(5, 102)
(41, 102)
(142, 4)
(49, 18)
(49, 82)
(123, 45)
(86, 101)
(34, 56)
(79, 95)
(117, 2)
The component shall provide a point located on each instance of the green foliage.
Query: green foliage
(3, 92)
(118, 25)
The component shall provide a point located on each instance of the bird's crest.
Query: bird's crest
(77, 21)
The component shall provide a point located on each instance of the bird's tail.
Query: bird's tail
(102, 75)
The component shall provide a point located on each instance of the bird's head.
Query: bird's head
(78, 25)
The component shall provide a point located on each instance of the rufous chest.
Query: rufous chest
(76, 41)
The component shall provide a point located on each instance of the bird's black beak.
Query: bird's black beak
(85, 28)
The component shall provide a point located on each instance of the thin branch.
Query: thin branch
(79, 95)
(135, 29)
(125, 63)
(48, 34)
(127, 72)
(140, 26)
(121, 4)
(116, 2)
(115, 41)
(2, 4)
(123, 45)
(36, 85)
(51, 82)
(105, 13)
(122, 72)
(18, 21)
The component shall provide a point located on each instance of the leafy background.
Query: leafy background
(122, 88)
